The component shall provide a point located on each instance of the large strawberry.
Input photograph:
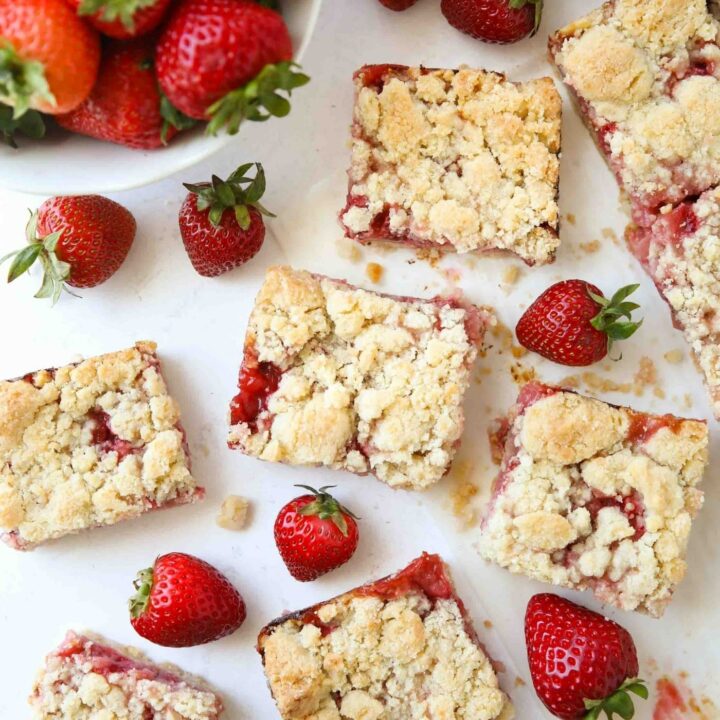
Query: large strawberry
(494, 21)
(49, 57)
(122, 19)
(183, 601)
(573, 323)
(79, 240)
(126, 106)
(226, 60)
(581, 663)
(221, 221)
(315, 534)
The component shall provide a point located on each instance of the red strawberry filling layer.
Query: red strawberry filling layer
(631, 506)
(257, 382)
(104, 438)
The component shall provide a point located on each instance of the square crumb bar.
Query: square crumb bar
(680, 251)
(87, 678)
(397, 649)
(89, 444)
(646, 74)
(593, 496)
(350, 379)
(459, 160)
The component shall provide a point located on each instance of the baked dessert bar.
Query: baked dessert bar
(397, 649)
(647, 78)
(89, 444)
(681, 252)
(338, 376)
(593, 496)
(87, 678)
(460, 160)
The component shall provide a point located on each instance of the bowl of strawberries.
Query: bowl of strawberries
(104, 95)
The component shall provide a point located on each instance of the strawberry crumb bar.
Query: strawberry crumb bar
(460, 160)
(398, 649)
(346, 378)
(646, 74)
(593, 496)
(87, 678)
(89, 444)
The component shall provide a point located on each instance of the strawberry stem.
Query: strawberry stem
(326, 507)
(519, 4)
(618, 703)
(111, 10)
(30, 124)
(609, 319)
(22, 82)
(143, 586)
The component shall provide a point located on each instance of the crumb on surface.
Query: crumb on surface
(592, 246)
(233, 513)
(511, 275)
(463, 492)
(487, 624)
(430, 255)
(674, 357)
(521, 374)
(374, 271)
(570, 217)
(609, 234)
(645, 376)
(349, 250)
(658, 392)
(519, 682)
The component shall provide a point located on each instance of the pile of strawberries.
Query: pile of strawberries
(137, 72)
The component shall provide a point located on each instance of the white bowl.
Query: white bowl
(69, 164)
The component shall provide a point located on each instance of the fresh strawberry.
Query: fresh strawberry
(126, 106)
(573, 323)
(122, 19)
(398, 5)
(232, 73)
(79, 240)
(49, 57)
(183, 601)
(315, 534)
(494, 21)
(581, 663)
(221, 221)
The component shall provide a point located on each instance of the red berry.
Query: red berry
(398, 4)
(494, 21)
(576, 655)
(572, 323)
(183, 601)
(315, 534)
(122, 19)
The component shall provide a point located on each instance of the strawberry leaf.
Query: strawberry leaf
(326, 507)
(30, 124)
(608, 318)
(143, 586)
(618, 703)
(23, 260)
(172, 117)
(111, 10)
(22, 82)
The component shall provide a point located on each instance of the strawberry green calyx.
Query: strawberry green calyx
(143, 587)
(55, 271)
(172, 117)
(22, 82)
(238, 193)
(519, 4)
(609, 319)
(326, 507)
(111, 10)
(619, 703)
(258, 100)
(30, 124)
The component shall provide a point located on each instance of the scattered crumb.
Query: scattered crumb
(570, 217)
(658, 392)
(609, 234)
(518, 351)
(688, 401)
(601, 384)
(646, 375)
(590, 247)
(374, 271)
(481, 373)
(521, 374)
(349, 250)
(519, 682)
(204, 449)
(571, 382)
(430, 255)
(510, 275)
(233, 513)
(487, 624)
(452, 275)
(674, 357)
(462, 493)
(673, 700)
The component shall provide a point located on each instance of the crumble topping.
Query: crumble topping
(462, 159)
(368, 382)
(89, 444)
(233, 513)
(647, 75)
(585, 501)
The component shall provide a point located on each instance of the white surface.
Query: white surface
(66, 163)
(199, 324)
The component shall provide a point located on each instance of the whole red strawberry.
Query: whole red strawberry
(221, 221)
(579, 660)
(80, 240)
(211, 50)
(398, 5)
(573, 323)
(315, 534)
(125, 107)
(122, 19)
(183, 601)
(494, 21)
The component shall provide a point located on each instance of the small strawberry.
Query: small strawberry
(183, 601)
(581, 663)
(315, 534)
(573, 323)
(233, 73)
(126, 106)
(398, 5)
(221, 221)
(122, 19)
(494, 21)
(49, 57)
(80, 240)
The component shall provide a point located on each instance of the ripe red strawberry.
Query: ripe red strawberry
(398, 5)
(49, 57)
(315, 534)
(494, 21)
(125, 106)
(183, 601)
(122, 19)
(80, 240)
(580, 661)
(573, 323)
(221, 221)
(207, 74)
